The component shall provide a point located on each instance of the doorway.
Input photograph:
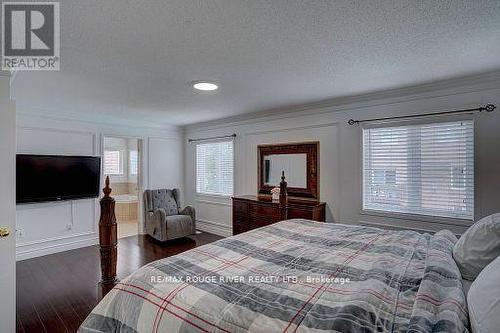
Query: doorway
(121, 162)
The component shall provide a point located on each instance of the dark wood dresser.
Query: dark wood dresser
(250, 212)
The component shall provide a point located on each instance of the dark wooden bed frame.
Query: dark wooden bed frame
(107, 241)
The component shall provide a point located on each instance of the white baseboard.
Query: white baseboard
(214, 228)
(29, 251)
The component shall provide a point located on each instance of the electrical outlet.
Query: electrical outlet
(69, 227)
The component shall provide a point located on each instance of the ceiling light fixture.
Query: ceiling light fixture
(205, 86)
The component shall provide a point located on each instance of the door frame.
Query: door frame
(141, 176)
(7, 206)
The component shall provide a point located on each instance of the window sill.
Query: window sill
(213, 195)
(419, 218)
(213, 199)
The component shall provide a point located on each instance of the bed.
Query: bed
(295, 276)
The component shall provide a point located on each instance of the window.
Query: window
(133, 162)
(113, 162)
(420, 169)
(214, 168)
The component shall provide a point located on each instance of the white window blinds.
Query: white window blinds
(113, 164)
(420, 169)
(214, 168)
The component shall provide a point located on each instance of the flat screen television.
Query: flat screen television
(52, 178)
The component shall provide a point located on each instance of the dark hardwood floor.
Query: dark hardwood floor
(55, 293)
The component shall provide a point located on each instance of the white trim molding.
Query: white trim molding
(209, 202)
(30, 250)
(214, 227)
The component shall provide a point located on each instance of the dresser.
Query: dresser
(250, 212)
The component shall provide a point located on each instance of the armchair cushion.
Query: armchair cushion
(179, 226)
(164, 199)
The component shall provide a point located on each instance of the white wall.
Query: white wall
(45, 228)
(166, 169)
(340, 152)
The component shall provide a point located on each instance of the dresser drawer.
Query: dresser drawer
(240, 207)
(239, 227)
(261, 215)
(264, 210)
(297, 213)
(257, 221)
(240, 217)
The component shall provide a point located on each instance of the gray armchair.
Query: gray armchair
(163, 216)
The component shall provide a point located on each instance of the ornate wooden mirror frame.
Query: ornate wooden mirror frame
(311, 149)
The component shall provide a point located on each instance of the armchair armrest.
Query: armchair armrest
(156, 223)
(189, 210)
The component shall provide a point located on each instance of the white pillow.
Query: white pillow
(483, 300)
(478, 246)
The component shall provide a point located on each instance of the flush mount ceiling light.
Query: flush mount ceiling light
(205, 86)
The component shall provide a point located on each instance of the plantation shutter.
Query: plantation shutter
(133, 162)
(214, 168)
(112, 162)
(420, 169)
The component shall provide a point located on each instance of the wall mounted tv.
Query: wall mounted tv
(53, 178)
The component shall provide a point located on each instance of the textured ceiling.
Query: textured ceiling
(134, 60)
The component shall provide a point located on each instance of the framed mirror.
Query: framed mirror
(299, 161)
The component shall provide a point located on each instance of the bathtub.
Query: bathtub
(126, 207)
(125, 198)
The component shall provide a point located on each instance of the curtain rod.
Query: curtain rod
(213, 138)
(487, 108)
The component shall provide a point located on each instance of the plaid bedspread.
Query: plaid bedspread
(295, 276)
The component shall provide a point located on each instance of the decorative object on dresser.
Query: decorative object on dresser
(299, 161)
(164, 217)
(275, 193)
(107, 241)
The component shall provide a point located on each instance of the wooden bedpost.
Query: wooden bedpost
(107, 240)
(283, 198)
